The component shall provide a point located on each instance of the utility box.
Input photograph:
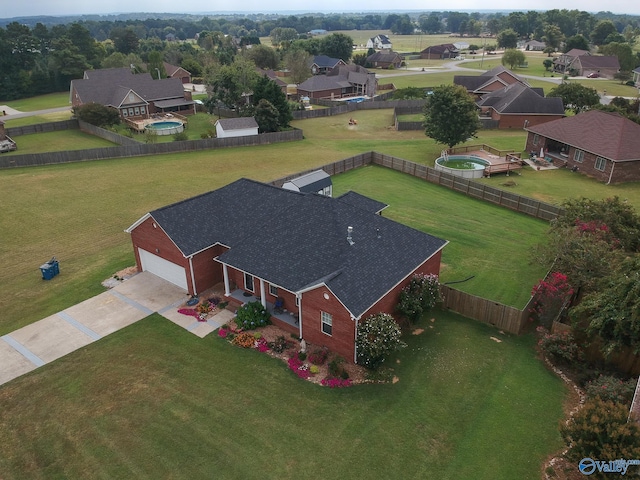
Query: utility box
(50, 269)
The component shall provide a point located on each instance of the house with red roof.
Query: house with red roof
(599, 144)
(330, 262)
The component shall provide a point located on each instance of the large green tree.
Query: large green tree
(602, 30)
(513, 57)
(297, 62)
(451, 115)
(267, 89)
(576, 97)
(337, 45)
(507, 38)
(231, 84)
(627, 59)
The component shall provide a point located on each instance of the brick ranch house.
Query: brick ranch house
(599, 144)
(135, 96)
(333, 261)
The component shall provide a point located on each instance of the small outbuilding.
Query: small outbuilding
(236, 127)
(318, 181)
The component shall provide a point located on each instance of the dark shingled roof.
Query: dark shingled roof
(606, 134)
(362, 202)
(239, 123)
(110, 87)
(516, 98)
(324, 61)
(299, 241)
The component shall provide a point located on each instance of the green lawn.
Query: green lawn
(489, 243)
(42, 102)
(154, 401)
(58, 141)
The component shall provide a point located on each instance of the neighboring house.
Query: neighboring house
(236, 127)
(344, 81)
(317, 31)
(273, 76)
(600, 144)
(177, 72)
(384, 59)
(495, 79)
(317, 181)
(380, 42)
(321, 64)
(636, 76)
(440, 52)
(581, 63)
(535, 46)
(518, 106)
(331, 261)
(134, 96)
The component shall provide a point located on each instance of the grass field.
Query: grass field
(58, 141)
(155, 401)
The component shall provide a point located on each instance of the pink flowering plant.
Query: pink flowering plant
(334, 382)
(610, 388)
(560, 347)
(299, 368)
(549, 296)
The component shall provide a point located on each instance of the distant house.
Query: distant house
(636, 76)
(581, 63)
(134, 96)
(344, 81)
(495, 79)
(384, 59)
(331, 262)
(236, 127)
(440, 52)
(321, 64)
(380, 42)
(518, 106)
(317, 181)
(177, 72)
(6, 143)
(317, 31)
(535, 46)
(599, 144)
(273, 76)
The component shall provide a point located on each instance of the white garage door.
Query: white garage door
(163, 268)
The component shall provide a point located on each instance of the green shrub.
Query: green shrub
(314, 369)
(560, 347)
(319, 356)
(421, 294)
(378, 337)
(336, 369)
(280, 344)
(180, 137)
(302, 356)
(610, 388)
(252, 315)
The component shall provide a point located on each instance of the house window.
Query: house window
(327, 322)
(143, 110)
(273, 290)
(297, 301)
(600, 163)
(124, 112)
(536, 139)
(137, 110)
(578, 156)
(248, 282)
(131, 97)
(131, 112)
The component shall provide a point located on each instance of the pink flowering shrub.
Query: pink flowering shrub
(550, 294)
(299, 368)
(333, 382)
(223, 332)
(560, 347)
(261, 345)
(609, 388)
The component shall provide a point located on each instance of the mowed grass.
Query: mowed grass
(155, 401)
(490, 244)
(41, 102)
(57, 142)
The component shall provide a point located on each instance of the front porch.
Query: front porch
(285, 319)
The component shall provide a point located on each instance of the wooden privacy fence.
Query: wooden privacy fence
(509, 319)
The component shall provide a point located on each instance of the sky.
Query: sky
(18, 8)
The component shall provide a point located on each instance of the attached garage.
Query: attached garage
(163, 268)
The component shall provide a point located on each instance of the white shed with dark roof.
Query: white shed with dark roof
(236, 127)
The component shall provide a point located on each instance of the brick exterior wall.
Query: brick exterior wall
(518, 121)
(623, 171)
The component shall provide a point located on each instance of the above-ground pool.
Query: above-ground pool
(166, 127)
(467, 166)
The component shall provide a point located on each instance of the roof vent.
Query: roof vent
(349, 235)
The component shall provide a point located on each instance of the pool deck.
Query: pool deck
(497, 163)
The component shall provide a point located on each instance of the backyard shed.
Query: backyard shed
(318, 181)
(236, 127)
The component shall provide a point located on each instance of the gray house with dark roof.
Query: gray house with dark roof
(332, 261)
(518, 106)
(133, 95)
(322, 64)
(582, 63)
(343, 81)
(600, 144)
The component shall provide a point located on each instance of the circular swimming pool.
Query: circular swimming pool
(467, 166)
(166, 127)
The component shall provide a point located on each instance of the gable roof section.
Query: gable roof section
(489, 80)
(606, 134)
(239, 123)
(385, 57)
(299, 241)
(362, 202)
(599, 61)
(110, 86)
(440, 49)
(324, 61)
(518, 99)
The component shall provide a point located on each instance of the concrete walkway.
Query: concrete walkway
(48, 339)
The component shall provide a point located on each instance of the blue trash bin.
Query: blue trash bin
(50, 269)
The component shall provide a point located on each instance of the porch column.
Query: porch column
(299, 297)
(225, 273)
(263, 298)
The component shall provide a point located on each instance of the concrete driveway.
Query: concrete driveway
(57, 335)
